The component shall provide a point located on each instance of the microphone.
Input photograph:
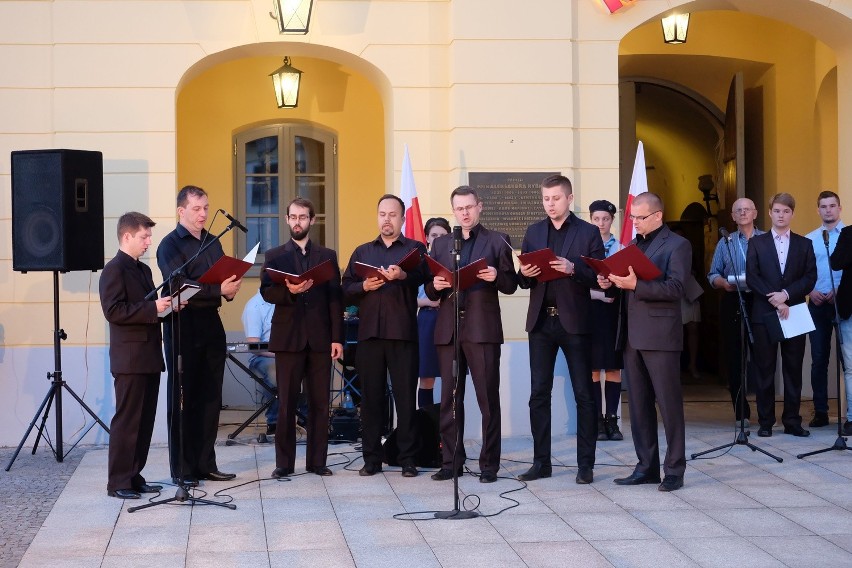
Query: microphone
(233, 221)
(457, 238)
(825, 237)
(725, 234)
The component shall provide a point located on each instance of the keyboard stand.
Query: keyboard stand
(261, 438)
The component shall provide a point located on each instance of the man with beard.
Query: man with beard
(387, 334)
(192, 455)
(306, 336)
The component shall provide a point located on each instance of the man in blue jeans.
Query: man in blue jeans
(257, 322)
(841, 259)
(821, 303)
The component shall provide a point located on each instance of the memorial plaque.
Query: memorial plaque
(511, 201)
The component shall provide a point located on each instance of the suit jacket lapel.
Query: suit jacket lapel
(479, 244)
(569, 236)
(314, 256)
(658, 242)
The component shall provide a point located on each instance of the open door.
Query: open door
(733, 151)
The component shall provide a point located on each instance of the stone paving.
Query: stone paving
(27, 494)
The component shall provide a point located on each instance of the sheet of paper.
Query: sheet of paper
(798, 322)
(252, 255)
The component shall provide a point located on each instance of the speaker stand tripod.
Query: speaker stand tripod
(54, 393)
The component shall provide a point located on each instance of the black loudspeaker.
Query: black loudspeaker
(57, 210)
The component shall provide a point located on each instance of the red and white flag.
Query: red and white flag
(638, 184)
(412, 228)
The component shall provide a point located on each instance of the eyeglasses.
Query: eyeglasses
(299, 217)
(466, 209)
(742, 210)
(641, 217)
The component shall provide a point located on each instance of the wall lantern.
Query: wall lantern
(293, 16)
(675, 27)
(286, 82)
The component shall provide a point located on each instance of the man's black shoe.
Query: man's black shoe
(671, 483)
(218, 476)
(280, 472)
(765, 432)
(370, 469)
(442, 474)
(146, 488)
(270, 429)
(797, 431)
(584, 475)
(536, 471)
(124, 494)
(188, 481)
(320, 470)
(637, 478)
(819, 420)
(409, 471)
(487, 477)
(847, 428)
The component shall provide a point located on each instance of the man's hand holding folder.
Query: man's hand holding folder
(468, 275)
(624, 268)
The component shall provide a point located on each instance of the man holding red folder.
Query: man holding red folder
(651, 334)
(481, 333)
(559, 318)
(202, 341)
(306, 336)
(387, 333)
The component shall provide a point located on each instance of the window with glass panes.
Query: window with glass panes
(275, 164)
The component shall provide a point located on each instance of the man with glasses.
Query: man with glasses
(821, 305)
(306, 337)
(652, 339)
(781, 271)
(480, 335)
(724, 269)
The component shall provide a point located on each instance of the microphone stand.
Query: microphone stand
(456, 514)
(175, 280)
(840, 442)
(746, 351)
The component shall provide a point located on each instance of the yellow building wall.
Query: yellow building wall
(236, 94)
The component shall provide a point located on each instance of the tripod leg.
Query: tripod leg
(47, 399)
(251, 418)
(52, 394)
(86, 407)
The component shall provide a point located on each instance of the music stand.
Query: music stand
(746, 351)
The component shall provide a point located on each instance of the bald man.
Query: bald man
(725, 265)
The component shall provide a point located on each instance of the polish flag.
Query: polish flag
(412, 228)
(638, 184)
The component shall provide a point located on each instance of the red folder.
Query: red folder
(542, 259)
(617, 264)
(320, 274)
(467, 274)
(367, 271)
(224, 268)
(410, 261)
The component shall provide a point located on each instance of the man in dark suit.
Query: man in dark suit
(781, 272)
(387, 334)
(651, 334)
(306, 336)
(841, 259)
(559, 318)
(192, 440)
(480, 336)
(135, 356)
